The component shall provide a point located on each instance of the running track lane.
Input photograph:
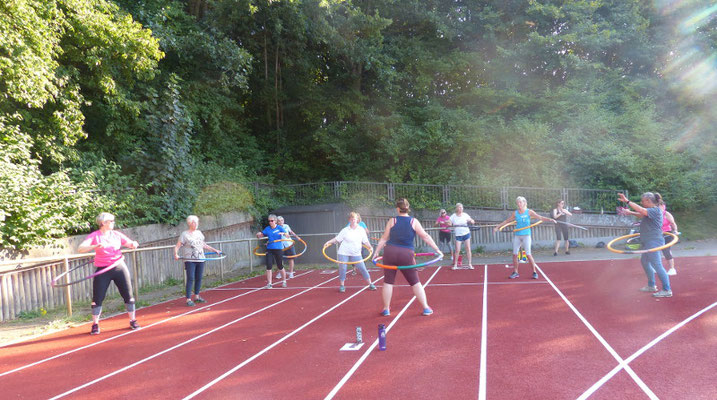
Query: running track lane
(428, 357)
(175, 373)
(77, 368)
(606, 293)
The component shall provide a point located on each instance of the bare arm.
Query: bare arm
(425, 236)
(671, 219)
(504, 223)
(540, 217)
(638, 208)
(384, 238)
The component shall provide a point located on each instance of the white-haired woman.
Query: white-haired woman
(522, 237)
(274, 248)
(460, 221)
(352, 238)
(191, 244)
(107, 244)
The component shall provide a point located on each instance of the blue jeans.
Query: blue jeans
(194, 271)
(651, 263)
(342, 267)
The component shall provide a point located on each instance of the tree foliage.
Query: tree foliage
(142, 104)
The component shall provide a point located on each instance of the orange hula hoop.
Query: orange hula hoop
(274, 241)
(370, 253)
(674, 240)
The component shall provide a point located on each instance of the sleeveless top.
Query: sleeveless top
(402, 233)
(521, 221)
(666, 227)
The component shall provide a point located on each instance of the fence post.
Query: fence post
(504, 197)
(390, 192)
(251, 256)
(564, 195)
(68, 292)
(337, 190)
(221, 264)
(446, 194)
(134, 274)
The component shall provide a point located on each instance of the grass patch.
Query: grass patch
(695, 225)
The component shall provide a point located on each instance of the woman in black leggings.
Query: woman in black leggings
(106, 243)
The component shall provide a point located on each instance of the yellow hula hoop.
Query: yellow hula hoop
(540, 221)
(370, 253)
(273, 241)
(500, 229)
(299, 254)
(674, 240)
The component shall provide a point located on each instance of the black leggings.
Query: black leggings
(120, 276)
(275, 254)
(668, 251)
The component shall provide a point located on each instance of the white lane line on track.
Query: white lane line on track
(638, 353)
(602, 340)
(129, 332)
(182, 344)
(484, 339)
(532, 282)
(266, 349)
(368, 351)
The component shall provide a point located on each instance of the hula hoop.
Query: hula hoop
(675, 239)
(219, 256)
(370, 253)
(90, 276)
(273, 241)
(396, 267)
(540, 221)
(297, 255)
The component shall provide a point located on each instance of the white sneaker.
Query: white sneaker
(672, 271)
(278, 276)
(470, 267)
(454, 268)
(291, 275)
(283, 284)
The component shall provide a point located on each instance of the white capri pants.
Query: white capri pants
(523, 240)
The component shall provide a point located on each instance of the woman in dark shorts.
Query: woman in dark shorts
(398, 242)
(561, 214)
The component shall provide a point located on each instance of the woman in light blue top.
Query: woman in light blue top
(522, 216)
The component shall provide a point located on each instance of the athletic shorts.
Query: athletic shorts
(395, 255)
(463, 238)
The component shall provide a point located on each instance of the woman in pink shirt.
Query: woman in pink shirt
(106, 243)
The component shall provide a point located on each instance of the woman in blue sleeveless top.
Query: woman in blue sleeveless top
(522, 216)
(398, 242)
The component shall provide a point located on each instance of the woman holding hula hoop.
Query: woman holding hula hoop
(106, 243)
(352, 238)
(522, 216)
(191, 243)
(560, 213)
(398, 242)
(274, 249)
(650, 238)
(291, 251)
(460, 220)
(444, 234)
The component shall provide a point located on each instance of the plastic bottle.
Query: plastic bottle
(381, 337)
(359, 335)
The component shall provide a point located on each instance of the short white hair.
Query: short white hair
(459, 205)
(521, 200)
(104, 216)
(192, 218)
(279, 218)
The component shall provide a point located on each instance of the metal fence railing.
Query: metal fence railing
(434, 196)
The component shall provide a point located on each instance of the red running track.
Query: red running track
(583, 329)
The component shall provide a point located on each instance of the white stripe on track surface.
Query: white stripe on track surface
(181, 344)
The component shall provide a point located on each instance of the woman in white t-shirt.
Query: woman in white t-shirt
(460, 220)
(351, 239)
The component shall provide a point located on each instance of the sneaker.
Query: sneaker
(470, 267)
(513, 275)
(190, 303)
(454, 267)
(199, 300)
(555, 254)
(372, 287)
(133, 325)
(342, 289)
(567, 252)
(291, 275)
(672, 272)
(427, 311)
(663, 293)
(535, 275)
(283, 284)
(385, 313)
(268, 286)
(278, 276)
(649, 289)
(95, 329)
(353, 272)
